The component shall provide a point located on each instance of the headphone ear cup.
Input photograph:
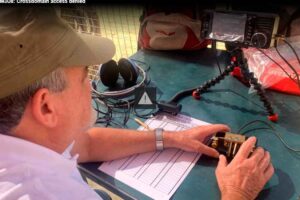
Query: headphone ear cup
(128, 71)
(109, 73)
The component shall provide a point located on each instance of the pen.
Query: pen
(142, 124)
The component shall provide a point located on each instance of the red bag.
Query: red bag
(171, 31)
(269, 74)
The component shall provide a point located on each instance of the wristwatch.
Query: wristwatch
(159, 139)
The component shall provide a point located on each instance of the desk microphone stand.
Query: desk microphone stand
(239, 66)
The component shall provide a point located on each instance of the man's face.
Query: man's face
(76, 113)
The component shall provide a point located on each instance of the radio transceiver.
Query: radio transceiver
(241, 29)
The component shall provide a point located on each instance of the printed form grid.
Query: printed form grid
(156, 174)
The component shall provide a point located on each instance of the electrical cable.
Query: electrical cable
(214, 47)
(289, 65)
(273, 130)
(286, 73)
(184, 93)
(178, 96)
(292, 48)
(270, 58)
(108, 117)
(218, 63)
(145, 116)
(116, 106)
(248, 124)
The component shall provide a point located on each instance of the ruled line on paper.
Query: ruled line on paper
(156, 174)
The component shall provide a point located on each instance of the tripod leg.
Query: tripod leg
(238, 60)
(203, 88)
(260, 91)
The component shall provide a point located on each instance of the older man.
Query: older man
(45, 107)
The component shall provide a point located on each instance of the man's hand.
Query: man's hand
(244, 177)
(192, 139)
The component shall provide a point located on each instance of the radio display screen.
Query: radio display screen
(228, 27)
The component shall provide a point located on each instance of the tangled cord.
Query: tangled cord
(284, 59)
(110, 111)
(269, 127)
(107, 113)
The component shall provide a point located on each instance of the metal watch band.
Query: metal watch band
(159, 139)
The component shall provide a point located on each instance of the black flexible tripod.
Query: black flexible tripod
(239, 66)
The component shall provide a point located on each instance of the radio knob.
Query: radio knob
(259, 40)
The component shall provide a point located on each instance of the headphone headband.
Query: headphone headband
(124, 92)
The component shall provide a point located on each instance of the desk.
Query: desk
(228, 103)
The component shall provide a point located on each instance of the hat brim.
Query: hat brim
(76, 50)
(92, 50)
(41, 44)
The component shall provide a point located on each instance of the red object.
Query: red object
(170, 29)
(237, 72)
(233, 59)
(273, 118)
(196, 95)
(269, 74)
(283, 83)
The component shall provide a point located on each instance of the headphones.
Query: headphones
(110, 72)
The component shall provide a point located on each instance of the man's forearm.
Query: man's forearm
(101, 144)
(108, 143)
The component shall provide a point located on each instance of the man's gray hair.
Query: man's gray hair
(13, 106)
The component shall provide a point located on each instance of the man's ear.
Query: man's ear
(43, 108)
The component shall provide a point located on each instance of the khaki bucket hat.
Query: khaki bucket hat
(35, 41)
